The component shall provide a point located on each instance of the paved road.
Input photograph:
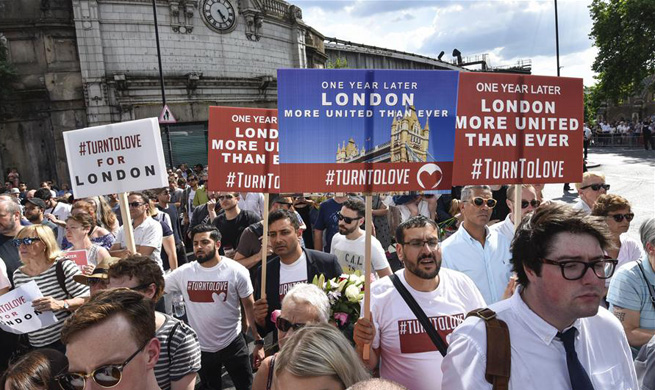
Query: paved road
(630, 172)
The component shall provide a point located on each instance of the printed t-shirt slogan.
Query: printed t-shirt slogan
(514, 129)
(366, 130)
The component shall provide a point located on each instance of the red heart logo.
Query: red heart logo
(430, 180)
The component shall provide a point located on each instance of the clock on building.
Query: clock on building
(219, 15)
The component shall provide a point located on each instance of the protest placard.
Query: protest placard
(79, 257)
(115, 158)
(243, 150)
(366, 130)
(514, 129)
(17, 314)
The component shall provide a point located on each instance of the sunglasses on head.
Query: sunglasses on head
(346, 219)
(106, 376)
(284, 325)
(619, 217)
(25, 241)
(596, 187)
(491, 203)
(224, 197)
(135, 204)
(534, 203)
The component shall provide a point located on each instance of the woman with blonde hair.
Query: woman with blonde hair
(41, 258)
(98, 234)
(35, 370)
(318, 357)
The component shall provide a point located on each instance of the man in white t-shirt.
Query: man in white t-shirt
(148, 234)
(349, 244)
(57, 212)
(213, 288)
(406, 353)
(528, 203)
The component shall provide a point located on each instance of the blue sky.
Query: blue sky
(508, 31)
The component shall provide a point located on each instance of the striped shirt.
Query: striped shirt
(49, 286)
(179, 354)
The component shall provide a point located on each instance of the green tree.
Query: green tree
(624, 32)
(339, 63)
(592, 102)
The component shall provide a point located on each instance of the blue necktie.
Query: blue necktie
(579, 378)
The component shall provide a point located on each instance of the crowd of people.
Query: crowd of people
(571, 291)
(625, 132)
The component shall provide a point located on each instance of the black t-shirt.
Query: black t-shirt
(231, 229)
(171, 210)
(9, 253)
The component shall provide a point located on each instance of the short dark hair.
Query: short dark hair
(144, 195)
(534, 237)
(414, 222)
(214, 233)
(142, 269)
(134, 307)
(284, 214)
(355, 205)
(43, 193)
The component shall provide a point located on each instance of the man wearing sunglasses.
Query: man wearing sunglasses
(292, 265)
(110, 343)
(348, 244)
(232, 222)
(560, 336)
(479, 252)
(592, 186)
(528, 203)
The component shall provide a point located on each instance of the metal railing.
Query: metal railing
(622, 140)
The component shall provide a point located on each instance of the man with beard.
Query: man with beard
(348, 244)
(292, 265)
(479, 252)
(213, 287)
(560, 336)
(57, 212)
(394, 334)
(9, 227)
(33, 211)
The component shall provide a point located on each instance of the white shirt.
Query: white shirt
(212, 298)
(149, 233)
(4, 278)
(504, 228)
(582, 205)
(487, 266)
(252, 201)
(292, 274)
(62, 211)
(538, 358)
(350, 253)
(408, 356)
(587, 133)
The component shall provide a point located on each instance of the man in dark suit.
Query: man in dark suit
(292, 265)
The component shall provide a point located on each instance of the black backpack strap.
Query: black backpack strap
(170, 338)
(61, 277)
(499, 349)
(420, 315)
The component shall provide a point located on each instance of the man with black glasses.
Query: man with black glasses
(396, 336)
(529, 202)
(560, 336)
(592, 186)
(110, 343)
(479, 252)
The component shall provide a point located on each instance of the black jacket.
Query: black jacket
(317, 263)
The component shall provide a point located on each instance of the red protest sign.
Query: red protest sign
(514, 129)
(78, 257)
(243, 149)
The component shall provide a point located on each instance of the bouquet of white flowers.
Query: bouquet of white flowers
(345, 294)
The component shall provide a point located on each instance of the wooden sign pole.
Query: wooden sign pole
(264, 244)
(517, 205)
(367, 261)
(128, 230)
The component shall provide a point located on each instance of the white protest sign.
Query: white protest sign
(119, 157)
(17, 314)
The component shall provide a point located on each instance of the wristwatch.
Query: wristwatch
(259, 342)
(66, 305)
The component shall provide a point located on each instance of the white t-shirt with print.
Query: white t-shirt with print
(292, 274)
(350, 253)
(408, 355)
(212, 298)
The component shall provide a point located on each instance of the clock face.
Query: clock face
(219, 14)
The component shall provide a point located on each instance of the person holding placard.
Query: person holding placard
(41, 257)
(78, 228)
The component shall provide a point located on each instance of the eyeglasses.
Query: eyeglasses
(576, 269)
(224, 197)
(346, 219)
(285, 325)
(534, 203)
(491, 203)
(25, 241)
(135, 204)
(106, 376)
(596, 187)
(433, 243)
(619, 217)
